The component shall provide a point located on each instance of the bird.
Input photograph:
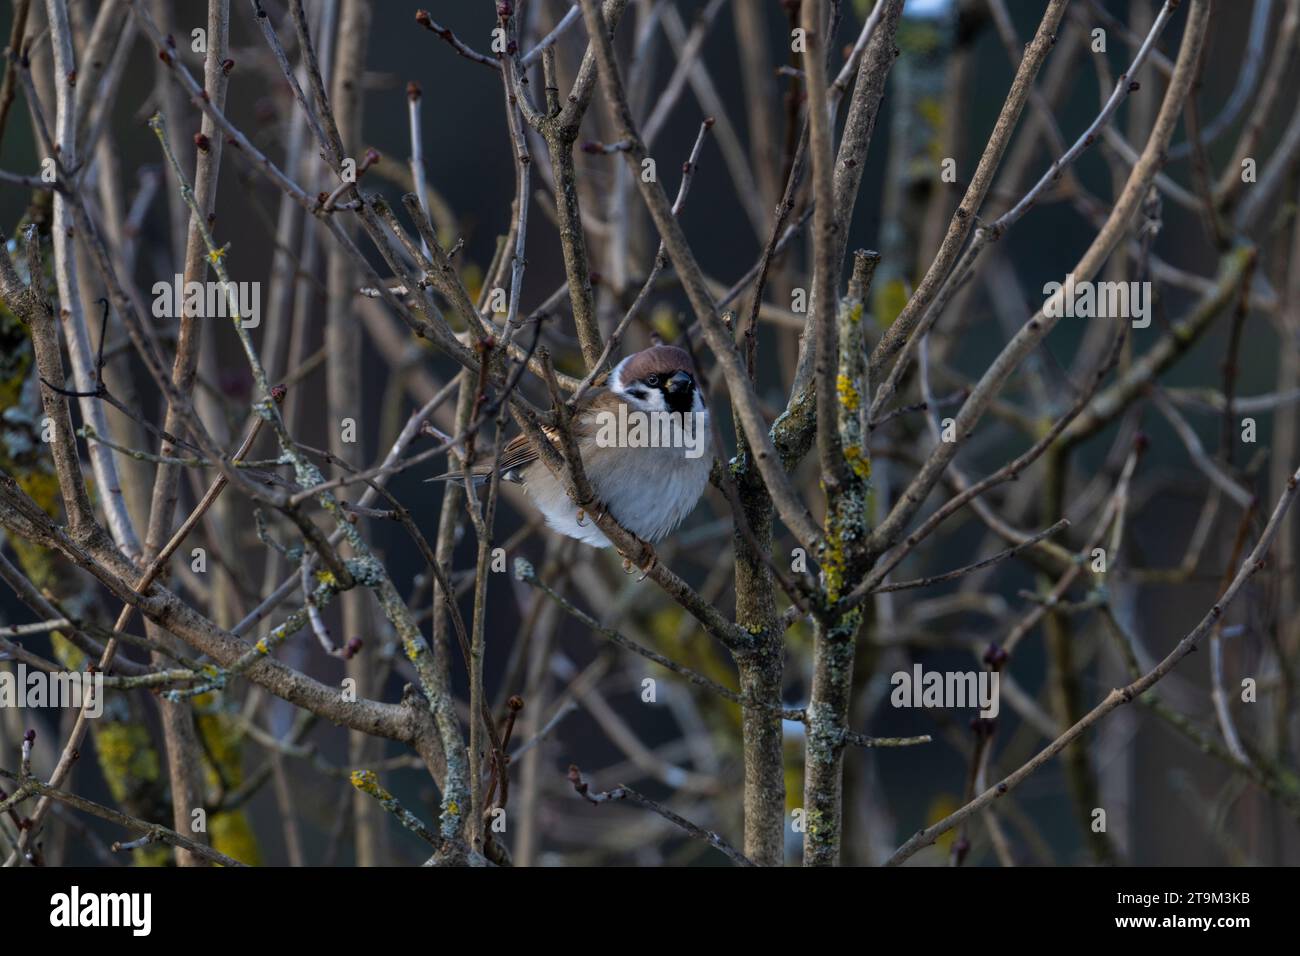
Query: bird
(646, 449)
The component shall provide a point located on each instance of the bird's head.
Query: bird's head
(658, 379)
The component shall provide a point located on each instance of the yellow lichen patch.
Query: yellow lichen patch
(664, 321)
(859, 462)
(368, 782)
(890, 298)
(221, 738)
(942, 806)
(833, 564)
(125, 752)
(453, 808)
(813, 821)
(43, 488)
(931, 111)
(37, 562)
(11, 389)
(262, 647)
(233, 835)
(126, 756)
(834, 571)
(15, 357)
(792, 768)
(844, 525)
(67, 653)
(157, 854)
(849, 396)
(326, 578)
(670, 638)
(231, 832)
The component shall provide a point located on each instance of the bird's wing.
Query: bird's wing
(519, 452)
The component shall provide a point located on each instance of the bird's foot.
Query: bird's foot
(645, 569)
(582, 516)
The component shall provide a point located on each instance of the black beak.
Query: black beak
(680, 382)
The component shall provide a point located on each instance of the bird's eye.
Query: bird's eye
(652, 380)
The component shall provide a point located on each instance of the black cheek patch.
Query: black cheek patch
(682, 401)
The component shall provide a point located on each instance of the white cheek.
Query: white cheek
(653, 402)
(616, 376)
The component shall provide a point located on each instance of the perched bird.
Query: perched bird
(645, 446)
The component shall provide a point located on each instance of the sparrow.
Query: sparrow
(645, 445)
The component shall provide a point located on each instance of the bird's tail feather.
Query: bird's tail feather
(478, 478)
